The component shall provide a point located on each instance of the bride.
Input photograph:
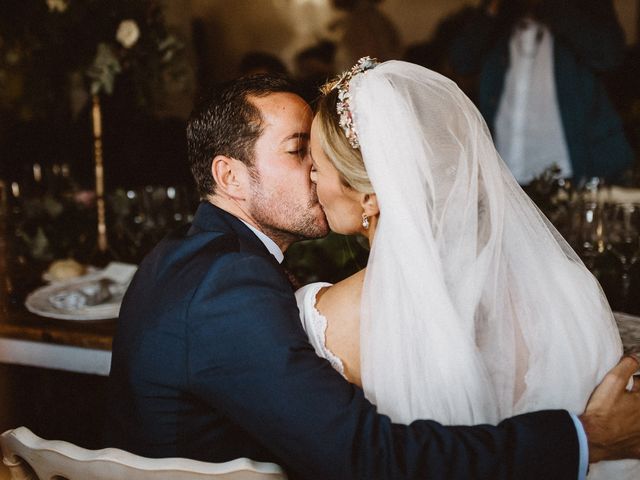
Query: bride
(472, 308)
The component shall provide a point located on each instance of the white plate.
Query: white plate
(629, 327)
(38, 301)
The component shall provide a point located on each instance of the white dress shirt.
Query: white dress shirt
(528, 127)
(273, 248)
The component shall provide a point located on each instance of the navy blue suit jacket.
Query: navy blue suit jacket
(210, 362)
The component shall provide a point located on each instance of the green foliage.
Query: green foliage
(43, 41)
(330, 259)
(49, 227)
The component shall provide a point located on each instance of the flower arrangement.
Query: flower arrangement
(44, 42)
(49, 51)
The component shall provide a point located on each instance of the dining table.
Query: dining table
(34, 340)
(84, 346)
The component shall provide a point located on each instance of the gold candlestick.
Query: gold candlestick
(96, 115)
(5, 280)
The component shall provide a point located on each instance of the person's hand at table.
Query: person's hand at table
(611, 418)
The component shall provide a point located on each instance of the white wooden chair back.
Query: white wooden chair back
(30, 457)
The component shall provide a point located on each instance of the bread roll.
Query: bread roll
(65, 269)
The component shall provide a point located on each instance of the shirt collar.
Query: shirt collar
(270, 244)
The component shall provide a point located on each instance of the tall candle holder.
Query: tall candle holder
(5, 280)
(96, 115)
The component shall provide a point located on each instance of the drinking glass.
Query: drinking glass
(590, 238)
(624, 242)
(141, 217)
(624, 231)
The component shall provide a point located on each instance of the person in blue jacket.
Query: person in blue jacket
(538, 88)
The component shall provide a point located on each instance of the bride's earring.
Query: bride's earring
(365, 221)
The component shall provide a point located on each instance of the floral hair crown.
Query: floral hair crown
(342, 85)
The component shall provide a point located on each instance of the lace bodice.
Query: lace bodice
(315, 324)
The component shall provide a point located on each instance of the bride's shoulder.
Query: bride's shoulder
(348, 286)
(342, 296)
(310, 292)
(329, 298)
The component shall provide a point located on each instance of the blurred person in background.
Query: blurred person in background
(255, 62)
(313, 67)
(538, 88)
(434, 53)
(364, 30)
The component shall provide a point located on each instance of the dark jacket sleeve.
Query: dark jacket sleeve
(253, 362)
(589, 28)
(477, 36)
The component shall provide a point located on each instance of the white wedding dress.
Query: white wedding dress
(315, 324)
(474, 308)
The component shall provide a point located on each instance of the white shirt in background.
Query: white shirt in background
(528, 128)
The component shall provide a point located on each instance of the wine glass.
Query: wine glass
(624, 240)
(590, 238)
(141, 217)
(624, 231)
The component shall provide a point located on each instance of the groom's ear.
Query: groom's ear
(231, 176)
(369, 203)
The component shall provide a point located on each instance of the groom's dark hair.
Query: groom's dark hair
(225, 122)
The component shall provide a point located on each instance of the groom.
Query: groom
(210, 360)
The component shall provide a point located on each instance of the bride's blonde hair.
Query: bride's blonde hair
(347, 160)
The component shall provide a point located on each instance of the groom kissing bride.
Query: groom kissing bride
(211, 359)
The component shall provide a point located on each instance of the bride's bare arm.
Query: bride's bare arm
(340, 305)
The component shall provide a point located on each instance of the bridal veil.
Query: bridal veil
(474, 307)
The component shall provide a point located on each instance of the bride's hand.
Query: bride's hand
(611, 419)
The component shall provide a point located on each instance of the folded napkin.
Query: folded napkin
(98, 288)
(85, 295)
